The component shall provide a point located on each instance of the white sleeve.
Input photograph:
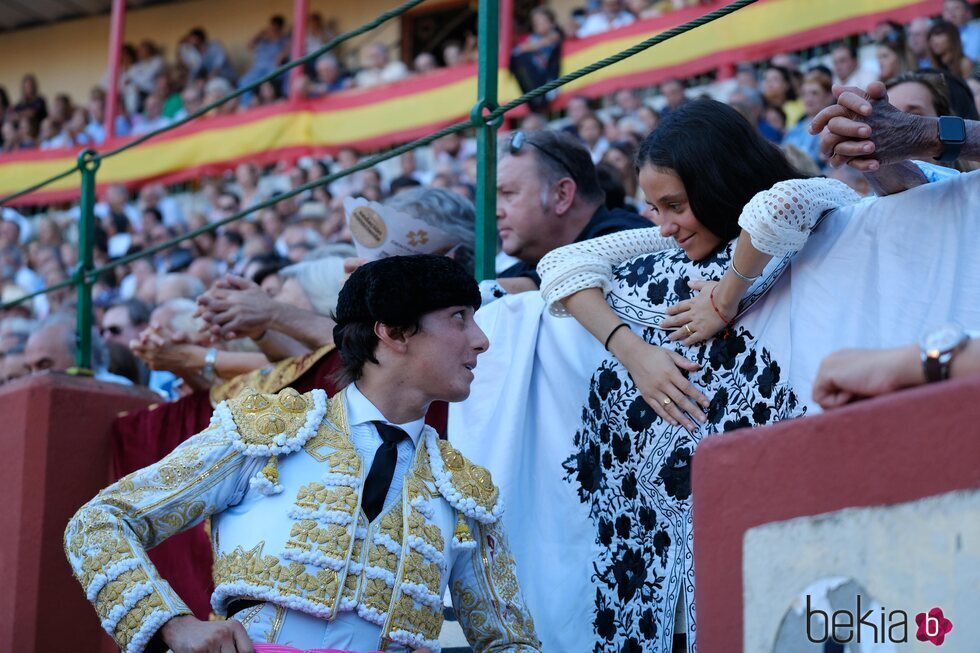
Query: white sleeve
(779, 220)
(589, 264)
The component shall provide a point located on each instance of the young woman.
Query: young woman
(673, 381)
(946, 50)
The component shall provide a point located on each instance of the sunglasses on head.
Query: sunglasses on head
(519, 139)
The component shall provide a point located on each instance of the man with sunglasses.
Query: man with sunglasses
(548, 195)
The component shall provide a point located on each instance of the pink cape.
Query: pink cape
(279, 648)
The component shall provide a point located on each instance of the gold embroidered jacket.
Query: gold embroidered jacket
(282, 480)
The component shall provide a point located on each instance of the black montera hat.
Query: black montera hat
(398, 290)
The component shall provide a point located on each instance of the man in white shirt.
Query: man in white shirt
(847, 68)
(610, 16)
(377, 69)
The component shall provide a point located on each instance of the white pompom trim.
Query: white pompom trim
(334, 479)
(422, 594)
(385, 540)
(415, 640)
(428, 551)
(112, 573)
(130, 598)
(467, 505)
(150, 626)
(314, 558)
(468, 544)
(373, 615)
(381, 574)
(424, 507)
(323, 516)
(281, 443)
(263, 485)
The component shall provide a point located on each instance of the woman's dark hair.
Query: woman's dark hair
(720, 158)
(952, 32)
(788, 78)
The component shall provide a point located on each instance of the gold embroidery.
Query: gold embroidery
(128, 627)
(333, 434)
(284, 579)
(332, 540)
(469, 479)
(424, 621)
(462, 531)
(377, 594)
(169, 523)
(112, 593)
(316, 496)
(259, 418)
(269, 380)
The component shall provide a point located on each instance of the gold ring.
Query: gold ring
(687, 327)
(667, 401)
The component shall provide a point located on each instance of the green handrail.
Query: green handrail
(485, 117)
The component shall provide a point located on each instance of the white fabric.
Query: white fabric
(360, 413)
(875, 274)
(778, 220)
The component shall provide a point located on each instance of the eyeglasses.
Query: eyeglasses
(115, 330)
(519, 139)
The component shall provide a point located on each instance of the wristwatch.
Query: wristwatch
(210, 358)
(952, 134)
(938, 349)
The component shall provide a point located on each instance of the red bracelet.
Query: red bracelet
(711, 296)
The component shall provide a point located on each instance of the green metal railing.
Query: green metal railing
(485, 117)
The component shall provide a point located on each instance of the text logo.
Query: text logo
(879, 626)
(933, 626)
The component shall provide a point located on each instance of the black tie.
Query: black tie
(382, 469)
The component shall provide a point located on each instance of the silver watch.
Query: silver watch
(210, 358)
(938, 349)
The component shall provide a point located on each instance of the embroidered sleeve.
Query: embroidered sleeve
(106, 540)
(486, 596)
(779, 220)
(589, 264)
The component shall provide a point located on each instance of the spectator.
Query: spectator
(627, 102)
(155, 195)
(330, 76)
(376, 67)
(960, 14)
(917, 41)
(123, 321)
(536, 59)
(847, 68)
(12, 364)
(177, 284)
(268, 94)
(149, 64)
(32, 104)
(452, 54)
(746, 76)
(533, 122)
(424, 63)
(611, 15)
(590, 132)
(116, 203)
(152, 118)
(946, 50)
(894, 59)
(779, 92)
(76, 128)
(297, 241)
(817, 95)
(974, 83)
(577, 109)
(204, 58)
(620, 156)
(53, 348)
(673, 92)
(191, 99)
(53, 135)
(270, 49)
(748, 102)
(649, 117)
(548, 195)
(218, 88)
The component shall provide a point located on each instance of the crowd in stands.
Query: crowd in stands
(927, 66)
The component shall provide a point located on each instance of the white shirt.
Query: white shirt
(360, 413)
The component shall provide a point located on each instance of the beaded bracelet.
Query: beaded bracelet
(613, 332)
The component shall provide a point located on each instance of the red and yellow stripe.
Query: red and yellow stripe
(414, 107)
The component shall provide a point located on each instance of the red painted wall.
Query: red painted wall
(54, 435)
(890, 450)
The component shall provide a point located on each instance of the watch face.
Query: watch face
(952, 129)
(944, 338)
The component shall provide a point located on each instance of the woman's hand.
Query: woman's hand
(658, 375)
(695, 320)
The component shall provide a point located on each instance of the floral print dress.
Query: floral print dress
(633, 469)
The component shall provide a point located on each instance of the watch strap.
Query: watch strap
(952, 134)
